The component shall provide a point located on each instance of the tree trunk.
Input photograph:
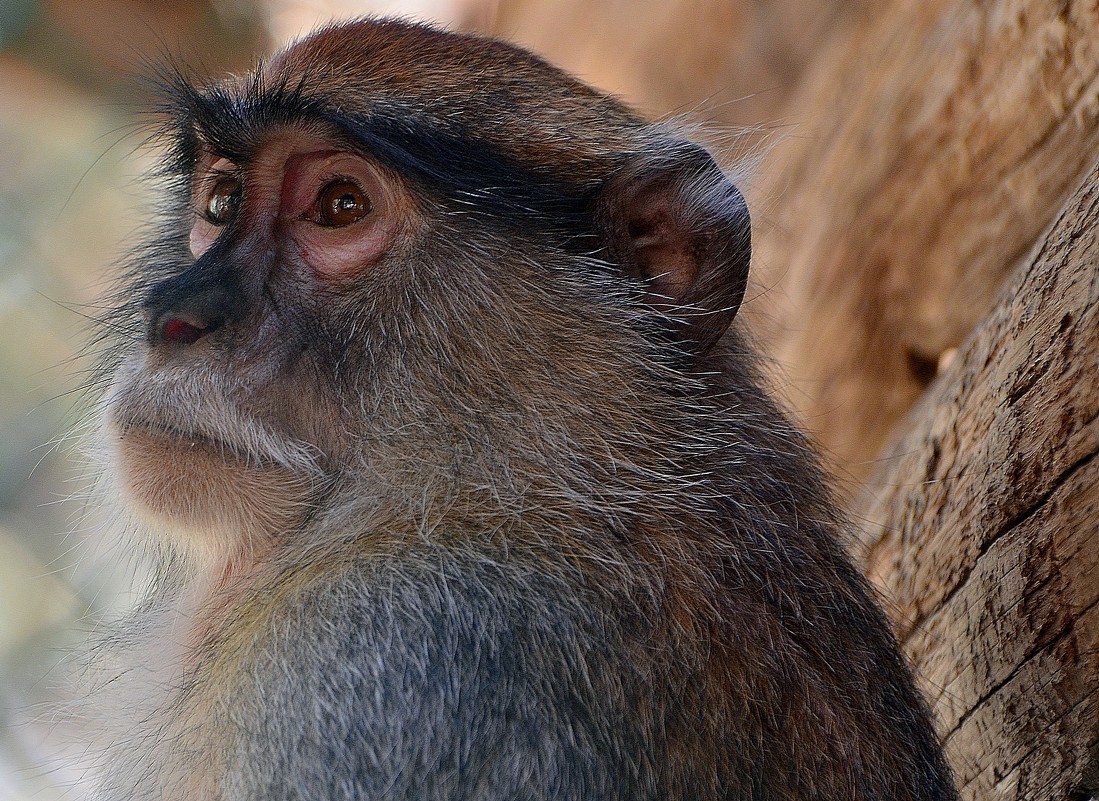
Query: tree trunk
(935, 144)
(984, 530)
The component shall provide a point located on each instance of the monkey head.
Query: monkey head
(412, 270)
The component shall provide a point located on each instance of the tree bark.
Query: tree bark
(937, 142)
(983, 532)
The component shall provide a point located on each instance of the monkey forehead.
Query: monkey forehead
(485, 125)
(480, 89)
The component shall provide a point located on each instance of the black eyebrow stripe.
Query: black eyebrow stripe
(471, 173)
(232, 120)
(468, 170)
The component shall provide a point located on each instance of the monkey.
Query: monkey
(461, 480)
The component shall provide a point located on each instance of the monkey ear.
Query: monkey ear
(676, 222)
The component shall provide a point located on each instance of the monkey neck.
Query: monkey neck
(512, 476)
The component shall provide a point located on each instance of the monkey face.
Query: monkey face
(419, 264)
(215, 420)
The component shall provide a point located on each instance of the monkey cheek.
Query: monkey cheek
(203, 498)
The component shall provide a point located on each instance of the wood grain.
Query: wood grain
(983, 531)
(935, 143)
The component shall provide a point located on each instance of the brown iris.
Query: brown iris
(341, 203)
(223, 201)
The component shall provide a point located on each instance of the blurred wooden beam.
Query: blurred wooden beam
(704, 60)
(935, 143)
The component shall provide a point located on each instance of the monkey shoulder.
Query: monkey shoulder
(436, 673)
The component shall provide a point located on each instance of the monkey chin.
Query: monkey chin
(218, 507)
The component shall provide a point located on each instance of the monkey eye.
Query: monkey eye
(341, 203)
(223, 201)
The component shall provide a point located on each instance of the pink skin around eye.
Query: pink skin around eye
(295, 185)
(334, 252)
(203, 234)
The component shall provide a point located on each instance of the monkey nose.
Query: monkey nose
(179, 326)
(178, 331)
(177, 312)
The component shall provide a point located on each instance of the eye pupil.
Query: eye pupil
(223, 202)
(341, 203)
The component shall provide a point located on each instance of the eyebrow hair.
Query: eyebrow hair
(468, 173)
(464, 167)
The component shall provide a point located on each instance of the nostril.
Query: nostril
(183, 309)
(181, 332)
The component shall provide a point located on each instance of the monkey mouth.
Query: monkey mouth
(173, 436)
(200, 487)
